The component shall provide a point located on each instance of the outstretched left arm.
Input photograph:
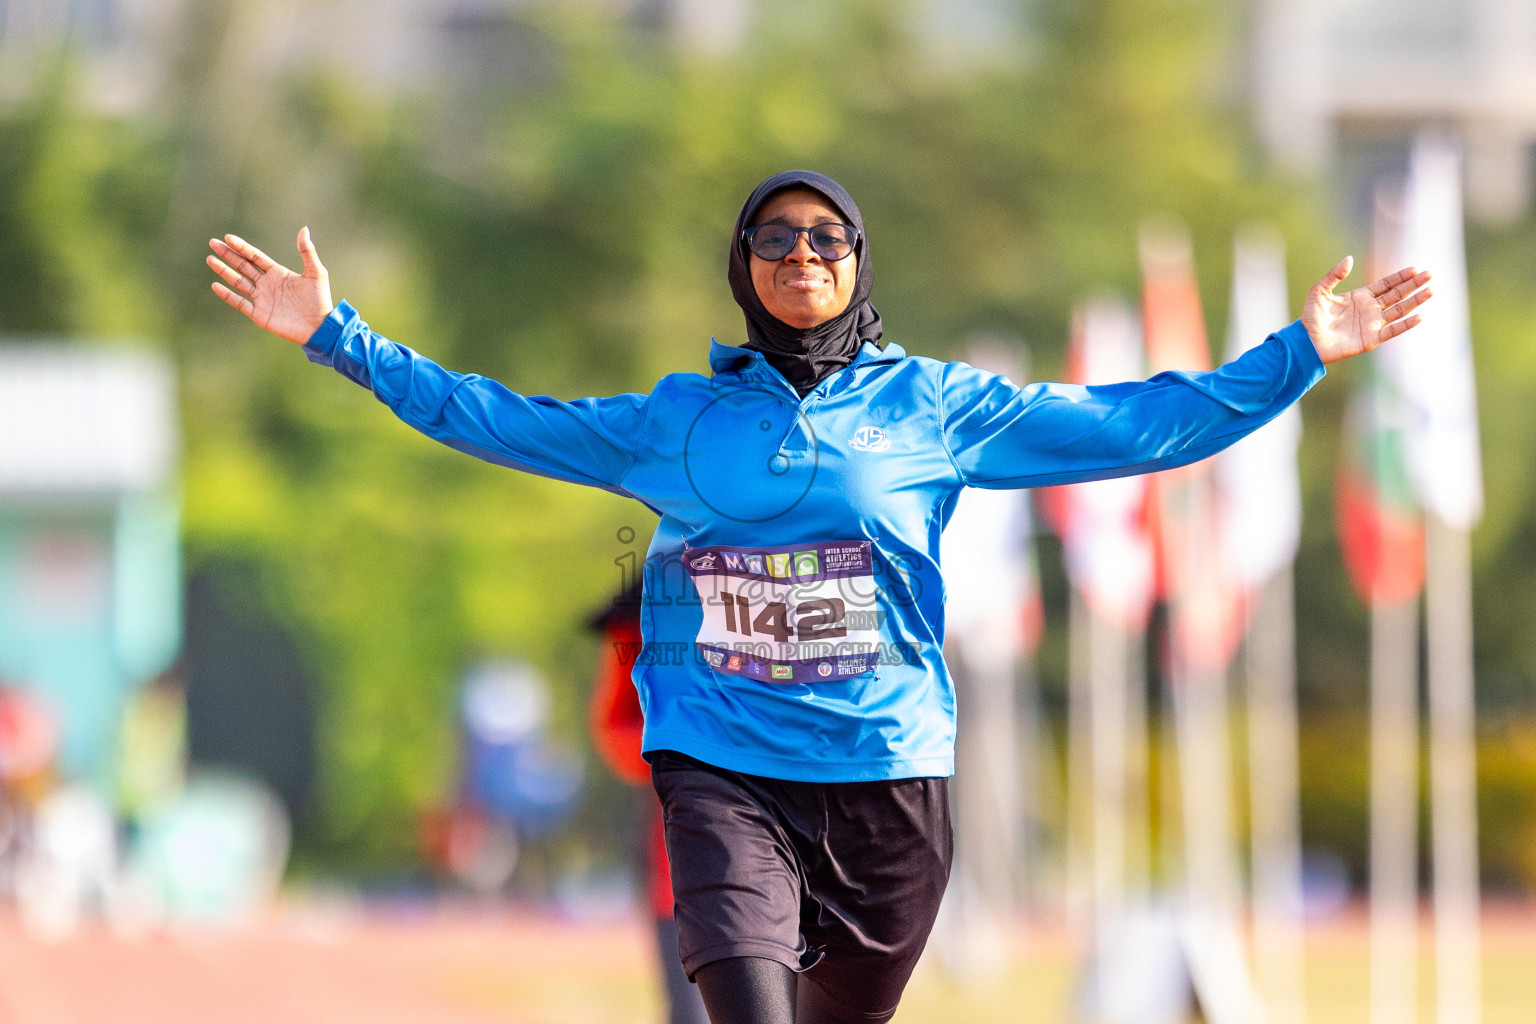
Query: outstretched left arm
(1001, 436)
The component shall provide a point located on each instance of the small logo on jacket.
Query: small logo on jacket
(869, 439)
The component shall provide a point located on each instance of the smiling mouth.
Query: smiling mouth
(804, 284)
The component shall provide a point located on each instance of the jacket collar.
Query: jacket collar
(733, 358)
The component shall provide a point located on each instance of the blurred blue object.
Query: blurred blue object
(527, 783)
(1325, 884)
(510, 769)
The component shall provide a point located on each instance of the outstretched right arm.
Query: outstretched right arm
(590, 441)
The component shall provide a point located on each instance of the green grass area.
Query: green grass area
(602, 977)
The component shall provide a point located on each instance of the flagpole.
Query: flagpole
(1260, 534)
(1079, 769)
(1110, 562)
(1137, 812)
(1171, 843)
(1033, 775)
(1219, 963)
(1394, 810)
(1391, 579)
(1279, 943)
(1453, 773)
(986, 804)
(1108, 660)
(1434, 370)
(987, 561)
(986, 821)
(1205, 757)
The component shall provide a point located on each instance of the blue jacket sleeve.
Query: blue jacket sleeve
(589, 441)
(1002, 436)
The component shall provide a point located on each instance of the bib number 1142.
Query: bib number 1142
(817, 619)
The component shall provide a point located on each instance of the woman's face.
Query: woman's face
(802, 289)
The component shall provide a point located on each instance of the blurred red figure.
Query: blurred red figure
(616, 723)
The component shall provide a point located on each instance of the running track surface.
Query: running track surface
(390, 968)
(462, 966)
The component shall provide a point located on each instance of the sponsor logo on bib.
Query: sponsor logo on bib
(824, 669)
(783, 672)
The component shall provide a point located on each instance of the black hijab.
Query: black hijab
(804, 357)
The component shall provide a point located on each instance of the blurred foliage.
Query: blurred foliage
(562, 227)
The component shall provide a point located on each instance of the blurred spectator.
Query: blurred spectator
(512, 771)
(514, 782)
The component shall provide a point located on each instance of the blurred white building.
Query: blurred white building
(90, 566)
(1327, 71)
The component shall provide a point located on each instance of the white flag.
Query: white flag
(1261, 522)
(1432, 364)
(988, 561)
(1108, 550)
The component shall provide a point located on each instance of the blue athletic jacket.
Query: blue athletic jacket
(794, 610)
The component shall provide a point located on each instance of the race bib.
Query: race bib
(798, 614)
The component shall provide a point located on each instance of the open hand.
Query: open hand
(289, 305)
(1347, 325)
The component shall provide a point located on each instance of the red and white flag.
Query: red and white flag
(1191, 573)
(1103, 524)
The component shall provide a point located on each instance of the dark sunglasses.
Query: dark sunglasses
(772, 242)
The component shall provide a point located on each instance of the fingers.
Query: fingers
(1401, 309)
(308, 254)
(243, 305)
(1391, 281)
(1392, 295)
(240, 282)
(259, 259)
(1391, 331)
(232, 257)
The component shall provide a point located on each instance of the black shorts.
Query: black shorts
(838, 880)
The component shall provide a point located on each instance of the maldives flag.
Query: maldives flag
(1376, 513)
(1380, 528)
(1191, 573)
(1431, 366)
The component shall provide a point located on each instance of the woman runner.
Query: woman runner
(799, 720)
